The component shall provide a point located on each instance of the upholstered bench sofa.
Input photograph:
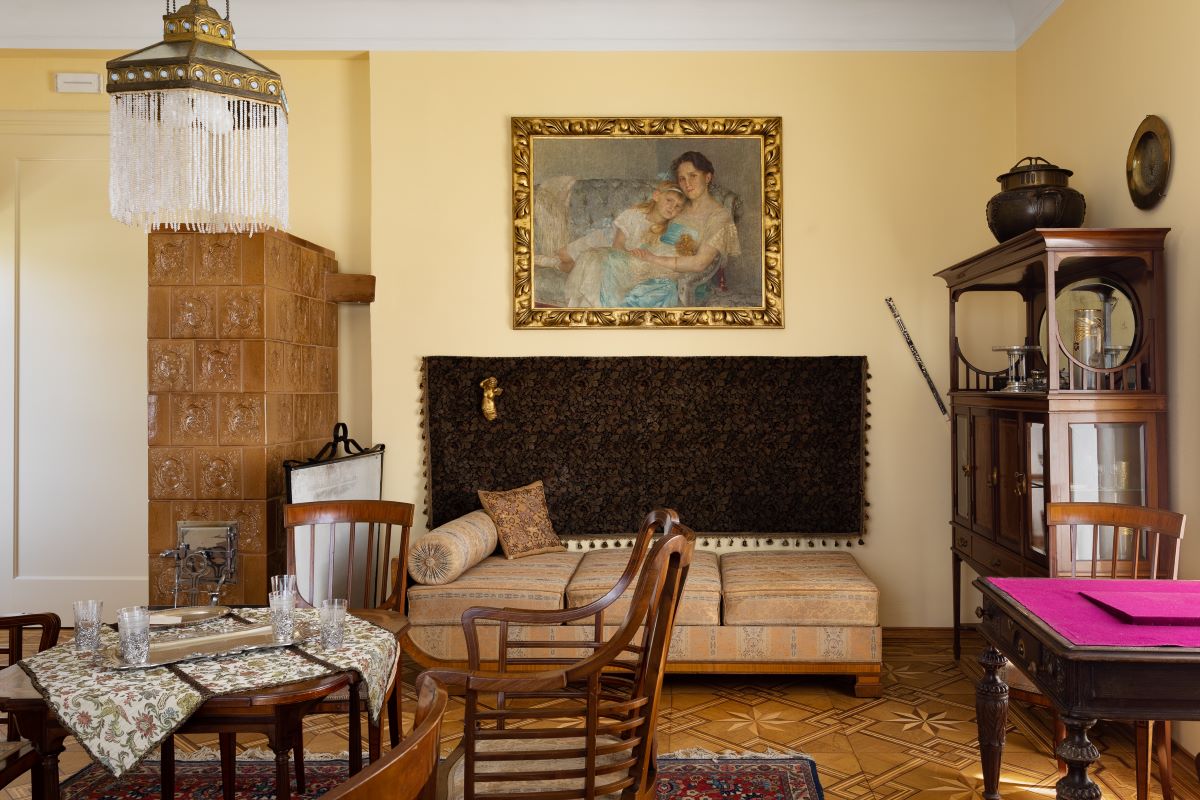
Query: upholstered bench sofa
(759, 611)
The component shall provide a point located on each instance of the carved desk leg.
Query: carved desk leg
(1078, 751)
(991, 717)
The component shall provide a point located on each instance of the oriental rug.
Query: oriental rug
(712, 778)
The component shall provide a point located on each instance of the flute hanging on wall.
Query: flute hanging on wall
(912, 348)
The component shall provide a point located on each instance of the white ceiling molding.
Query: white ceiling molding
(549, 25)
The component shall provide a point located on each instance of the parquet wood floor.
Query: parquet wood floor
(916, 741)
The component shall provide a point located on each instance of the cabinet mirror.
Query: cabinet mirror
(1097, 323)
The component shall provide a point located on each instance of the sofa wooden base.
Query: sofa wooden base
(866, 674)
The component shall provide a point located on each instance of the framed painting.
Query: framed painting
(647, 222)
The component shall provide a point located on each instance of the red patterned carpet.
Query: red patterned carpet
(787, 778)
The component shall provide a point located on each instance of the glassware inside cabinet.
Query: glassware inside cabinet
(1036, 448)
(1108, 465)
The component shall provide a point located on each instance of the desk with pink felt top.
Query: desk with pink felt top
(1099, 649)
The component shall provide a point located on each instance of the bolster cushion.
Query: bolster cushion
(449, 550)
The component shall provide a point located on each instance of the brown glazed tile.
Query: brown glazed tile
(241, 312)
(169, 365)
(328, 413)
(218, 261)
(277, 377)
(311, 281)
(160, 527)
(158, 312)
(280, 418)
(254, 473)
(172, 473)
(157, 430)
(275, 456)
(219, 473)
(170, 259)
(308, 369)
(254, 580)
(251, 517)
(161, 572)
(278, 262)
(276, 314)
(254, 377)
(195, 510)
(218, 366)
(294, 366)
(194, 419)
(243, 419)
(329, 362)
(194, 313)
(253, 259)
(305, 412)
(329, 330)
(302, 321)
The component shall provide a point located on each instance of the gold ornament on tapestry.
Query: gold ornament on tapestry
(490, 392)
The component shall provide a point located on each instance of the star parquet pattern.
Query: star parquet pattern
(916, 741)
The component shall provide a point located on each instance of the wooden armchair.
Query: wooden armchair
(17, 755)
(409, 771)
(322, 537)
(1110, 540)
(572, 719)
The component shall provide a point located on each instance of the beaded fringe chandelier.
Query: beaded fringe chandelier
(198, 131)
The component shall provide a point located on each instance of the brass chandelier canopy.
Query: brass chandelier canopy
(199, 131)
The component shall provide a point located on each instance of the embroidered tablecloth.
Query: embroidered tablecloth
(119, 716)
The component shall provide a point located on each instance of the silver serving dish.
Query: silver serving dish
(187, 615)
(210, 645)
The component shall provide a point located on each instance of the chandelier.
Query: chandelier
(198, 131)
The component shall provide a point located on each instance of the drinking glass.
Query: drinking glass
(333, 623)
(283, 583)
(133, 628)
(87, 624)
(283, 616)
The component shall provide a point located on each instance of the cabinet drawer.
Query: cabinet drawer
(997, 560)
(961, 540)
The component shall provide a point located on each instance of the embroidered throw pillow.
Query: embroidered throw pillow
(449, 550)
(522, 520)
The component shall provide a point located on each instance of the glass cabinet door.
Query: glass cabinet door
(1108, 465)
(1035, 449)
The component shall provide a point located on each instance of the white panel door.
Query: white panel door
(72, 373)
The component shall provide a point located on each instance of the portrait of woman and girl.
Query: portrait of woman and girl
(681, 229)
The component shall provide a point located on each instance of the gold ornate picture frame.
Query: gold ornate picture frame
(647, 222)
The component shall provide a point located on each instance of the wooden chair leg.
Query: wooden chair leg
(393, 709)
(298, 756)
(1142, 734)
(166, 768)
(1060, 733)
(228, 744)
(1163, 751)
(355, 731)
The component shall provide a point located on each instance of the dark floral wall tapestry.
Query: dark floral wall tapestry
(735, 444)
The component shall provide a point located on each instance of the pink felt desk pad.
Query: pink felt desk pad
(1060, 604)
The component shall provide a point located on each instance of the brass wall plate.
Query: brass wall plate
(1148, 164)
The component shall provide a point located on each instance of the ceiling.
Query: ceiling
(566, 25)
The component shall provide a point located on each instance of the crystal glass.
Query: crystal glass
(133, 628)
(283, 615)
(283, 583)
(87, 624)
(333, 623)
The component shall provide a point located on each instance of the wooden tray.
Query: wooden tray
(212, 645)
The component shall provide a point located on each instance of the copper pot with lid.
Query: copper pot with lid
(1034, 194)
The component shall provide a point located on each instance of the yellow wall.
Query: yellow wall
(888, 162)
(1085, 81)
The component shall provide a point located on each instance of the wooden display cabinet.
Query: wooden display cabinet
(1081, 415)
